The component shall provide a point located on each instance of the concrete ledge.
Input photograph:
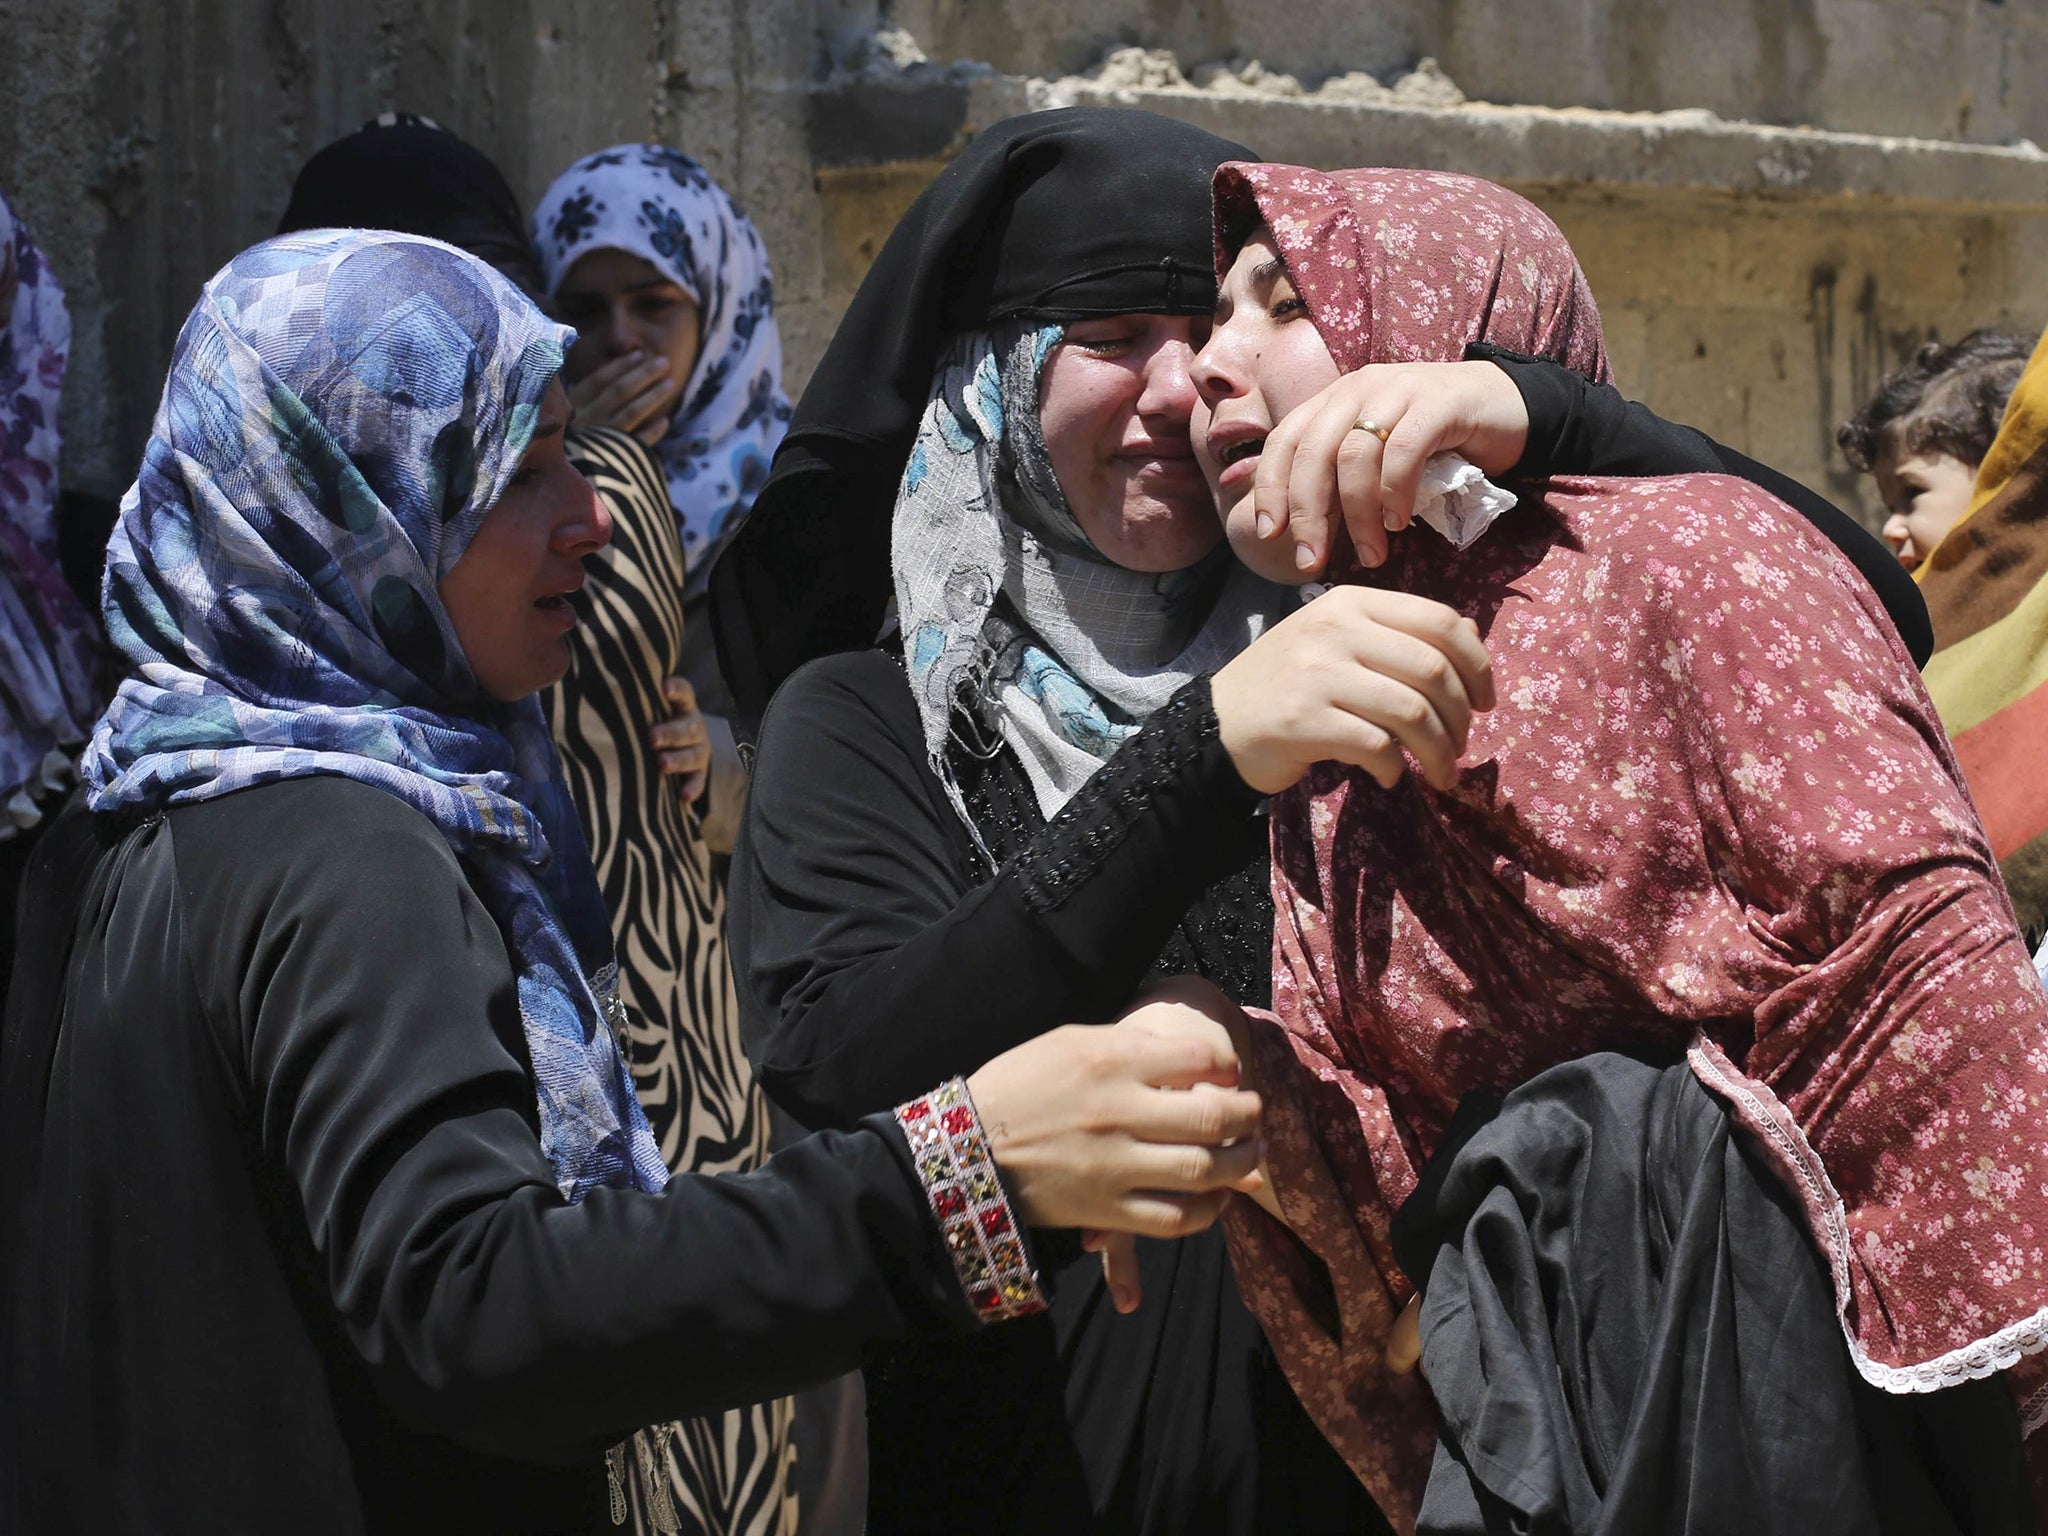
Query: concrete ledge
(1538, 146)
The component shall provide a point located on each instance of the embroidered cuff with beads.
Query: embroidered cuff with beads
(959, 1177)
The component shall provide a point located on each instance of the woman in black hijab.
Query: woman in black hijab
(406, 172)
(902, 893)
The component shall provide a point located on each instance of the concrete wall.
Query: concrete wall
(1971, 69)
(1755, 281)
(1767, 322)
(146, 141)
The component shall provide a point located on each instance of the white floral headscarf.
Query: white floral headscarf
(1004, 600)
(660, 205)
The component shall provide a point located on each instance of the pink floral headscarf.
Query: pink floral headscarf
(1413, 266)
(48, 693)
(1713, 812)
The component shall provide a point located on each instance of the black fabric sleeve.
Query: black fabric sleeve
(1577, 427)
(346, 963)
(869, 964)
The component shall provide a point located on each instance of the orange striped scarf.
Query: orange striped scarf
(1986, 586)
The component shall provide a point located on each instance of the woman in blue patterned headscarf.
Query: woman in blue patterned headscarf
(325, 1201)
(319, 467)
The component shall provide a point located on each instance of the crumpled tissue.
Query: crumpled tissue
(1457, 500)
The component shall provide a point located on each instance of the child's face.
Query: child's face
(1926, 495)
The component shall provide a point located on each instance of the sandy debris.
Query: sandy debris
(1426, 85)
(889, 55)
(1139, 69)
(1245, 77)
(1158, 69)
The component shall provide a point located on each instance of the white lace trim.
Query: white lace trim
(1983, 1357)
(1820, 1190)
(2034, 1412)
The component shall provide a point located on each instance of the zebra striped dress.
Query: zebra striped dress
(729, 1475)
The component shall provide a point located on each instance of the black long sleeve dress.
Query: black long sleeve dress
(863, 908)
(279, 1247)
(877, 949)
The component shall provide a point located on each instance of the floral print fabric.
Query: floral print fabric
(48, 653)
(343, 409)
(1414, 266)
(1713, 813)
(662, 206)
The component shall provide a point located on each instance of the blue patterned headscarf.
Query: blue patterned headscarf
(660, 205)
(343, 409)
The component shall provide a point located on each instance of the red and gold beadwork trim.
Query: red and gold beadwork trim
(959, 1178)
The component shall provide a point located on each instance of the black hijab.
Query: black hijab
(410, 174)
(1052, 216)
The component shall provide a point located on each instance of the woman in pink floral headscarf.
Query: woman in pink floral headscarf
(1713, 819)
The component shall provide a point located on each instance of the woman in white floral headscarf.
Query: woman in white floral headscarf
(668, 288)
(667, 284)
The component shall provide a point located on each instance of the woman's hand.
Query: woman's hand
(633, 393)
(1404, 1339)
(1354, 677)
(1136, 1126)
(1318, 466)
(1119, 1250)
(682, 743)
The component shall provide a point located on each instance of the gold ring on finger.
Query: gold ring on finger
(1367, 424)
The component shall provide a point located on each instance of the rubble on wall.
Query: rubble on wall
(889, 55)
(1139, 69)
(1245, 77)
(1158, 69)
(1423, 118)
(1426, 85)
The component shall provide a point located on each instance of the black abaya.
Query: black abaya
(1626, 1328)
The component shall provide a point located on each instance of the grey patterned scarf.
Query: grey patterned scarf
(1004, 602)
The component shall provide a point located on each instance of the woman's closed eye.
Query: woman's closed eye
(657, 306)
(1104, 343)
(1282, 301)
